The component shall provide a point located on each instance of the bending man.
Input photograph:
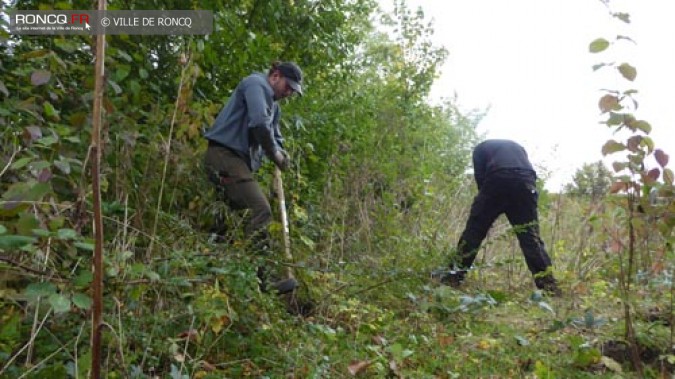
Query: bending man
(506, 184)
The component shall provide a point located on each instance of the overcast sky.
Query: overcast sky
(528, 61)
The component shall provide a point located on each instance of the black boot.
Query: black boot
(268, 283)
(548, 284)
(452, 278)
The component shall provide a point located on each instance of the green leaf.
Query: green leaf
(116, 87)
(639, 125)
(122, 72)
(20, 163)
(307, 241)
(82, 301)
(10, 330)
(20, 195)
(49, 109)
(40, 165)
(60, 303)
(611, 147)
(3, 230)
(153, 276)
(668, 176)
(84, 246)
(26, 223)
(38, 232)
(83, 279)
(619, 166)
(625, 17)
(3, 89)
(35, 290)
(125, 56)
(63, 166)
(648, 143)
(629, 72)
(615, 119)
(14, 242)
(56, 223)
(66, 234)
(598, 45)
(48, 141)
(585, 357)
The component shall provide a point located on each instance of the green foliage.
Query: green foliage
(636, 182)
(377, 195)
(591, 180)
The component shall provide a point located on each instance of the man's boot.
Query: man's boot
(452, 278)
(548, 284)
(279, 286)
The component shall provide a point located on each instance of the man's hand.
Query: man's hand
(282, 160)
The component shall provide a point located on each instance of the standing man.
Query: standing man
(246, 129)
(506, 184)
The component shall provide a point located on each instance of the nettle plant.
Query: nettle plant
(643, 187)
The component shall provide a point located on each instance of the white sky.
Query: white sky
(528, 60)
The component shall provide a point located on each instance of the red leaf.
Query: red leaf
(661, 157)
(652, 175)
(40, 77)
(633, 143)
(618, 186)
(189, 334)
(44, 175)
(31, 133)
(608, 103)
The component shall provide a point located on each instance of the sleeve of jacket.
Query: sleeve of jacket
(260, 118)
(276, 128)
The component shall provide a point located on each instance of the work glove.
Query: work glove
(282, 160)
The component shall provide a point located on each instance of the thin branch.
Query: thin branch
(10, 162)
(166, 158)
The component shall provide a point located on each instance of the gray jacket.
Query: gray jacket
(250, 107)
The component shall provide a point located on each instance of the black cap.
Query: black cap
(293, 75)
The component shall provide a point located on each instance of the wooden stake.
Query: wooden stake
(95, 150)
(279, 188)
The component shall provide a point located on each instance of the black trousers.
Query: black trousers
(513, 193)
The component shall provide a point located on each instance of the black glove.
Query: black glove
(282, 160)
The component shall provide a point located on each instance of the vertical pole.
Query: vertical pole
(279, 187)
(99, 86)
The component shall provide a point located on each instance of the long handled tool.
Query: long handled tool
(279, 188)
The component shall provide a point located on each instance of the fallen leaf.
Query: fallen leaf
(189, 334)
(208, 367)
(357, 367)
(445, 341)
(379, 340)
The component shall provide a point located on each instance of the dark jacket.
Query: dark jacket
(499, 155)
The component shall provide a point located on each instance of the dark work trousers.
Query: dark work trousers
(238, 189)
(514, 193)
